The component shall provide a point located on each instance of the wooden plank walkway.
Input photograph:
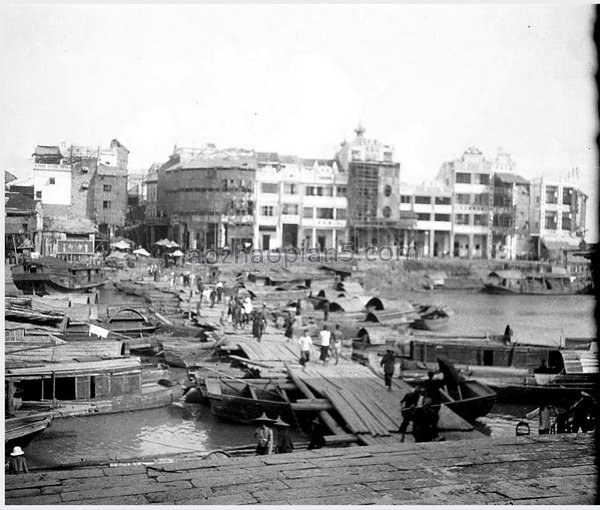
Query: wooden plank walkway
(552, 469)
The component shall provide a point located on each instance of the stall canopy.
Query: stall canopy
(121, 245)
(166, 243)
(177, 253)
(142, 252)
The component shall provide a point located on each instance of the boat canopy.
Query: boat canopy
(580, 362)
(509, 274)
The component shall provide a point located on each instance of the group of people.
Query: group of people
(330, 344)
(582, 416)
(421, 408)
(268, 441)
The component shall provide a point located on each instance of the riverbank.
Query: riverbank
(552, 469)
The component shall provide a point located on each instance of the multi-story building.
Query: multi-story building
(510, 216)
(429, 205)
(470, 180)
(52, 180)
(300, 203)
(557, 216)
(209, 199)
(373, 191)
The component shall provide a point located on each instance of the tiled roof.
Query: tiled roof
(19, 202)
(511, 178)
(267, 156)
(69, 225)
(47, 150)
(8, 177)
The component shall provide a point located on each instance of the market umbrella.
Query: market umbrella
(162, 242)
(121, 245)
(117, 255)
(171, 244)
(142, 252)
(177, 253)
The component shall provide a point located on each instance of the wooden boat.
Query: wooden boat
(241, 401)
(548, 283)
(20, 431)
(35, 276)
(518, 373)
(431, 318)
(185, 351)
(469, 399)
(76, 388)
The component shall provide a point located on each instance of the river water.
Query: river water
(192, 428)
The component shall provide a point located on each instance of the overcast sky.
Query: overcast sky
(431, 80)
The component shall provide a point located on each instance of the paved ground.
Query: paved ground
(554, 469)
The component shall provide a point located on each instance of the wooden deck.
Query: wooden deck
(540, 470)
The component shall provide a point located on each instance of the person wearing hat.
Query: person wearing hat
(264, 435)
(17, 463)
(388, 362)
(284, 439)
(317, 440)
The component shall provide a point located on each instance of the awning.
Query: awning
(142, 252)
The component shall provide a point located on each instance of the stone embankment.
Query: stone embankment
(540, 470)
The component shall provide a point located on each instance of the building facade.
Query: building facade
(470, 179)
(557, 216)
(373, 191)
(300, 203)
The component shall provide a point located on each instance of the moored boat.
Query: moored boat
(431, 318)
(554, 283)
(22, 430)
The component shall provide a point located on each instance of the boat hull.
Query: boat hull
(22, 430)
(244, 410)
(431, 324)
(152, 396)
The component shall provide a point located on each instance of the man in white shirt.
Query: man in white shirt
(325, 340)
(305, 346)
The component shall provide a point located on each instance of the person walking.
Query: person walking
(284, 443)
(326, 311)
(264, 435)
(17, 463)
(200, 288)
(336, 343)
(305, 347)
(325, 341)
(409, 403)
(219, 288)
(289, 326)
(388, 362)
(432, 388)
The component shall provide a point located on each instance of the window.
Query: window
(290, 189)
(567, 196)
(324, 213)
(551, 195)
(356, 155)
(566, 221)
(328, 191)
(387, 190)
(463, 178)
(462, 219)
(405, 199)
(480, 219)
(267, 210)
(341, 191)
(462, 198)
(550, 221)
(289, 209)
(481, 199)
(387, 212)
(269, 187)
(482, 178)
(442, 200)
(52, 180)
(442, 217)
(309, 212)
(38, 194)
(422, 199)
(314, 191)
(340, 214)
(106, 204)
(387, 157)
(107, 187)
(423, 216)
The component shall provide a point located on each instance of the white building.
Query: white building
(300, 203)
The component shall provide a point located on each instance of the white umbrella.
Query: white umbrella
(142, 252)
(162, 242)
(121, 245)
(177, 253)
(172, 244)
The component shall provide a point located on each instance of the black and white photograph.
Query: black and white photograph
(300, 254)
